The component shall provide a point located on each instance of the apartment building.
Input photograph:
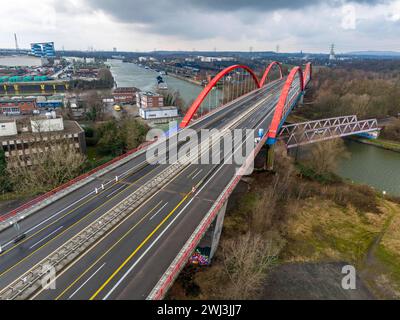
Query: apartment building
(21, 138)
(124, 95)
(149, 100)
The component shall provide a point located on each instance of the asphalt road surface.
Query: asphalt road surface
(129, 261)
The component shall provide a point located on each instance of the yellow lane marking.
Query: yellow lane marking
(105, 253)
(138, 248)
(61, 217)
(112, 230)
(137, 209)
(124, 183)
(70, 227)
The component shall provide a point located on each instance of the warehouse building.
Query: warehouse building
(162, 113)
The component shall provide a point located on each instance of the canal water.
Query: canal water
(370, 165)
(130, 74)
(367, 164)
(19, 61)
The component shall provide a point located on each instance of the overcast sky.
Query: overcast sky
(145, 25)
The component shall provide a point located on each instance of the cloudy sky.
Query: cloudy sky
(145, 25)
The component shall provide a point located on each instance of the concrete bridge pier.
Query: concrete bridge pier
(301, 100)
(208, 245)
(270, 157)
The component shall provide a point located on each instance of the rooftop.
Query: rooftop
(150, 94)
(125, 89)
(70, 127)
(8, 100)
(160, 108)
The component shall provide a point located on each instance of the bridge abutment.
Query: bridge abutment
(208, 245)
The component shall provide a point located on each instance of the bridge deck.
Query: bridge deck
(131, 244)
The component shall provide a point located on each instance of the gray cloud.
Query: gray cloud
(234, 23)
(201, 19)
(270, 5)
(150, 10)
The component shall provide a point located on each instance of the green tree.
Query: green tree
(111, 139)
(134, 132)
(105, 78)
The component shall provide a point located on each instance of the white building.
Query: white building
(47, 125)
(214, 59)
(8, 128)
(158, 113)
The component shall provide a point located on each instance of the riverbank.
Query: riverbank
(195, 82)
(308, 230)
(379, 143)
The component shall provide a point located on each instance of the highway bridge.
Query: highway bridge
(125, 230)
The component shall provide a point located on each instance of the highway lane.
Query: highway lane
(41, 243)
(36, 247)
(143, 273)
(138, 279)
(86, 193)
(105, 261)
(64, 203)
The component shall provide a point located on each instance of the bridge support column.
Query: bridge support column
(270, 157)
(207, 247)
(301, 100)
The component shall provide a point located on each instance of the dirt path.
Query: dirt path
(373, 270)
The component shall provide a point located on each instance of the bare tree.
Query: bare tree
(247, 259)
(52, 163)
(325, 155)
(96, 106)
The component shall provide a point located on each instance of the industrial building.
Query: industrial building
(51, 102)
(17, 106)
(149, 100)
(45, 49)
(165, 113)
(23, 137)
(125, 95)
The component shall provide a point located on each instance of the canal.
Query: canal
(130, 74)
(367, 164)
(370, 165)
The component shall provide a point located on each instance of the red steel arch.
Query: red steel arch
(307, 74)
(267, 71)
(280, 107)
(196, 104)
